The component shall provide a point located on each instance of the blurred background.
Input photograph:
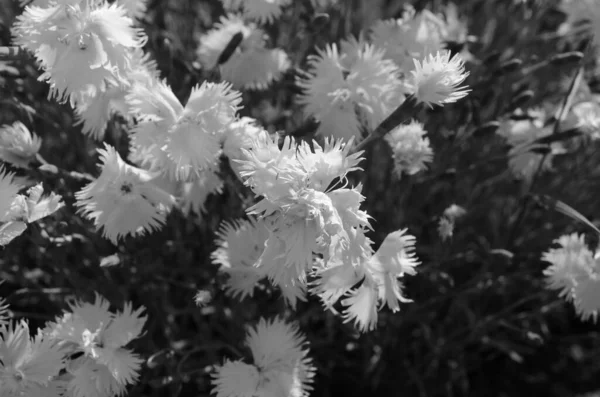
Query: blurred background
(481, 324)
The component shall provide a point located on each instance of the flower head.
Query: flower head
(8, 192)
(28, 365)
(350, 90)
(437, 79)
(575, 272)
(18, 146)
(410, 148)
(123, 201)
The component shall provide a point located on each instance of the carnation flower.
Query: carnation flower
(575, 272)
(415, 35)
(281, 366)
(239, 136)
(28, 364)
(350, 90)
(262, 11)
(437, 79)
(588, 118)
(177, 140)
(122, 200)
(250, 65)
(101, 336)
(82, 47)
(410, 148)
(18, 146)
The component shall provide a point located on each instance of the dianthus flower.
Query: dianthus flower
(575, 272)
(106, 367)
(8, 192)
(251, 65)
(415, 35)
(18, 146)
(135, 8)
(410, 148)
(240, 244)
(28, 365)
(82, 46)
(350, 89)
(262, 11)
(176, 140)
(437, 79)
(240, 135)
(281, 366)
(122, 200)
(194, 194)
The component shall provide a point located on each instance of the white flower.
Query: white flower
(135, 8)
(236, 379)
(575, 272)
(361, 307)
(410, 148)
(123, 201)
(28, 364)
(240, 136)
(437, 79)
(262, 11)
(177, 140)
(18, 146)
(350, 90)
(588, 118)
(102, 336)
(415, 35)
(81, 47)
(250, 65)
(240, 244)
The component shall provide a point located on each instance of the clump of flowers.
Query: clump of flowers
(575, 273)
(280, 364)
(106, 366)
(122, 200)
(81, 46)
(262, 11)
(350, 89)
(410, 148)
(448, 219)
(437, 79)
(178, 140)
(18, 146)
(250, 65)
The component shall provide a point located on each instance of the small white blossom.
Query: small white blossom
(122, 200)
(18, 146)
(410, 148)
(437, 79)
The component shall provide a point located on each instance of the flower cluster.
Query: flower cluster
(410, 148)
(81, 354)
(575, 272)
(280, 364)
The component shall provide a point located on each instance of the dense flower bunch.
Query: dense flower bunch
(81, 354)
(575, 273)
(280, 364)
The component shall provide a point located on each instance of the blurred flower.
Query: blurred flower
(454, 211)
(437, 79)
(415, 35)
(240, 243)
(176, 140)
(587, 115)
(262, 11)
(8, 192)
(281, 364)
(18, 146)
(28, 364)
(575, 272)
(445, 227)
(123, 201)
(350, 90)
(250, 65)
(90, 328)
(82, 46)
(410, 148)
